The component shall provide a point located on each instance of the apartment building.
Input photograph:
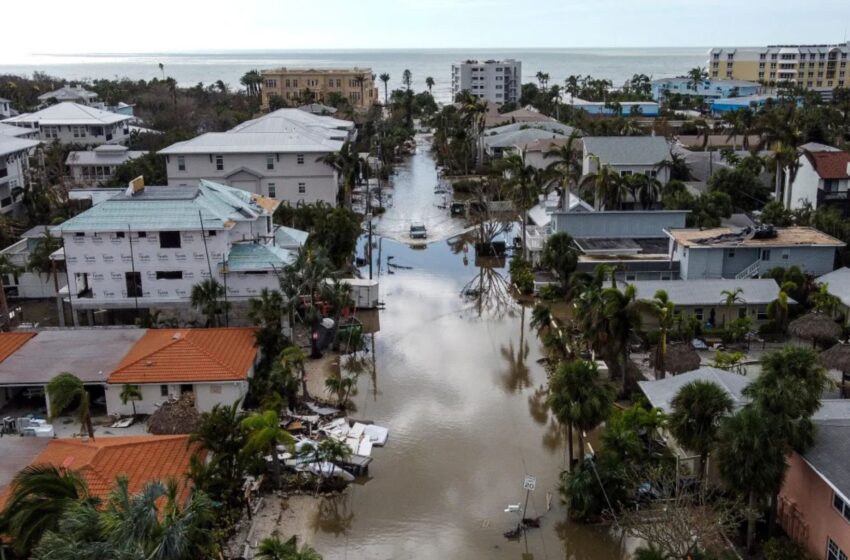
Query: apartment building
(498, 81)
(145, 248)
(93, 167)
(72, 123)
(310, 85)
(813, 66)
(708, 89)
(278, 155)
(14, 163)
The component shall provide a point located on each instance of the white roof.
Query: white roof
(661, 392)
(287, 120)
(16, 131)
(838, 284)
(11, 145)
(102, 157)
(67, 93)
(70, 114)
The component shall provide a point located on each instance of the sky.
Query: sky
(147, 26)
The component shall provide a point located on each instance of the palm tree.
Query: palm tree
(580, 398)
(266, 310)
(131, 393)
(38, 497)
(698, 408)
(664, 312)
(524, 180)
(696, 75)
(346, 162)
(624, 321)
(606, 185)
(162, 69)
(385, 78)
(264, 435)
(66, 389)
(406, 78)
(359, 81)
(329, 450)
(40, 261)
(541, 317)
(272, 548)
(252, 81)
(341, 387)
(566, 167)
(205, 298)
(429, 81)
(7, 268)
(295, 358)
(778, 310)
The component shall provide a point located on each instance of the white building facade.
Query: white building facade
(499, 81)
(14, 165)
(94, 167)
(280, 156)
(72, 123)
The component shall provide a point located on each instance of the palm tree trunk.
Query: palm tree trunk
(276, 465)
(304, 392)
(524, 246)
(751, 522)
(570, 444)
(703, 465)
(4, 308)
(580, 445)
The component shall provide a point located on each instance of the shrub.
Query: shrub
(783, 548)
(522, 275)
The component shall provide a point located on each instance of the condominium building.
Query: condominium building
(14, 164)
(310, 85)
(499, 81)
(94, 167)
(72, 123)
(812, 66)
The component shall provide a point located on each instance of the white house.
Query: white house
(93, 167)
(72, 123)
(499, 81)
(14, 163)
(278, 155)
(18, 132)
(627, 155)
(838, 284)
(823, 177)
(75, 94)
(27, 284)
(5, 108)
(144, 249)
(213, 364)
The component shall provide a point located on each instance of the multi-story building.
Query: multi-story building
(72, 123)
(18, 132)
(499, 81)
(822, 178)
(812, 66)
(309, 85)
(627, 155)
(709, 89)
(145, 248)
(278, 155)
(14, 163)
(94, 167)
(74, 94)
(5, 108)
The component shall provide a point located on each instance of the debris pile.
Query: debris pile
(175, 416)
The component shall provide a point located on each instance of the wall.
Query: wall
(813, 500)
(805, 185)
(618, 224)
(152, 397)
(319, 178)
(716, 263)
(700, 263)
(65, 135)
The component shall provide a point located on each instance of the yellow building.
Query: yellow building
(821, 67)
(298, 86)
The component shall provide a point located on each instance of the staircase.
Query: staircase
(750, 272)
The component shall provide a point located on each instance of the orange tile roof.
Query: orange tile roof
(188, 355)
(10, 342)
(139, 458)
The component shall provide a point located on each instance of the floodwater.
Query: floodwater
(456, 380)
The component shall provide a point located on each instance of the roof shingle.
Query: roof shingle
(10, 342)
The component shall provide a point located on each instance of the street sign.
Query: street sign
(530, 483)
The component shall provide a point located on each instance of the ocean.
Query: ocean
(190, 68)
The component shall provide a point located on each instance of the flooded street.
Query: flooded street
(456, 380)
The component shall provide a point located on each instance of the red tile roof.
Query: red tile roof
(830, 165)
(10, 342)
(140, 458)
(187, 356)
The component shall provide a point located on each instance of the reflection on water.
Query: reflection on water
(463, 394)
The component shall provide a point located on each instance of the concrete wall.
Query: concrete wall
(805, 186)
(207, 395)
(635, 223)
(716, 262)
(807, 494)
(65, 134)
(319, 179)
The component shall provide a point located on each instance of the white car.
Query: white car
(418, 231)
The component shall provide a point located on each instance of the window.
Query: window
(78, 131)
(731, 253)
(163, 390)
(169, 240)
(841, 506)
(765, 254)
(833, 552)
(181, 163)
(211, 233)
(143, 234)
(169, 274)
(625, 173)
(269, 162)
(119, 235)
(80, 234)
(300, 159)
(187, 388)
(50, 132)
(785, 254)
(302, 188)
(631, 277)
(133, 282)
(698, 313)
(272, 190)
(219, 163)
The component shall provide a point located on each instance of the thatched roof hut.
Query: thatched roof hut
(175, 417)
(837, 357)
(679, 358)
(817, 327)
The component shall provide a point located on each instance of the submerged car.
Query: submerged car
(418, 231)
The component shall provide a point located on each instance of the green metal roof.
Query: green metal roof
(169, 208)
(245, 257)
(290, 237)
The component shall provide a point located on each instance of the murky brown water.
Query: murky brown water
(458, 384)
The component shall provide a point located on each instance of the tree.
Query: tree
(698, 408)
(606, 185)
(385, 78)
(264, 434)
(131, 393)
(66, 389)
(523, 179)
(623, 322)
(294, 357)
(696, 76)
(664, 312)
(205, 298)
(329, 451)
(429, 82)
(407, 79)
(39, 495)
(566, 167)
(743, 187)
(341, 386)
(40, 261)
(580, 398)
(252, 79)
(731, 297)
(272, 548)
(560, 255)
(347, 163)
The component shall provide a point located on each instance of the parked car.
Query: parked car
(418, 231)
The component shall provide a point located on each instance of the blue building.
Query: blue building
(730, 104)
(624, 108)
(709, 89)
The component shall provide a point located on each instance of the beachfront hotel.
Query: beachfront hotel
(497, 81)
(301, 85)
(822, 67)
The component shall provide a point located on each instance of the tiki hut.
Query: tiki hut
(816, 327)
(175, 417)
(679, 358)
(838, 358)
